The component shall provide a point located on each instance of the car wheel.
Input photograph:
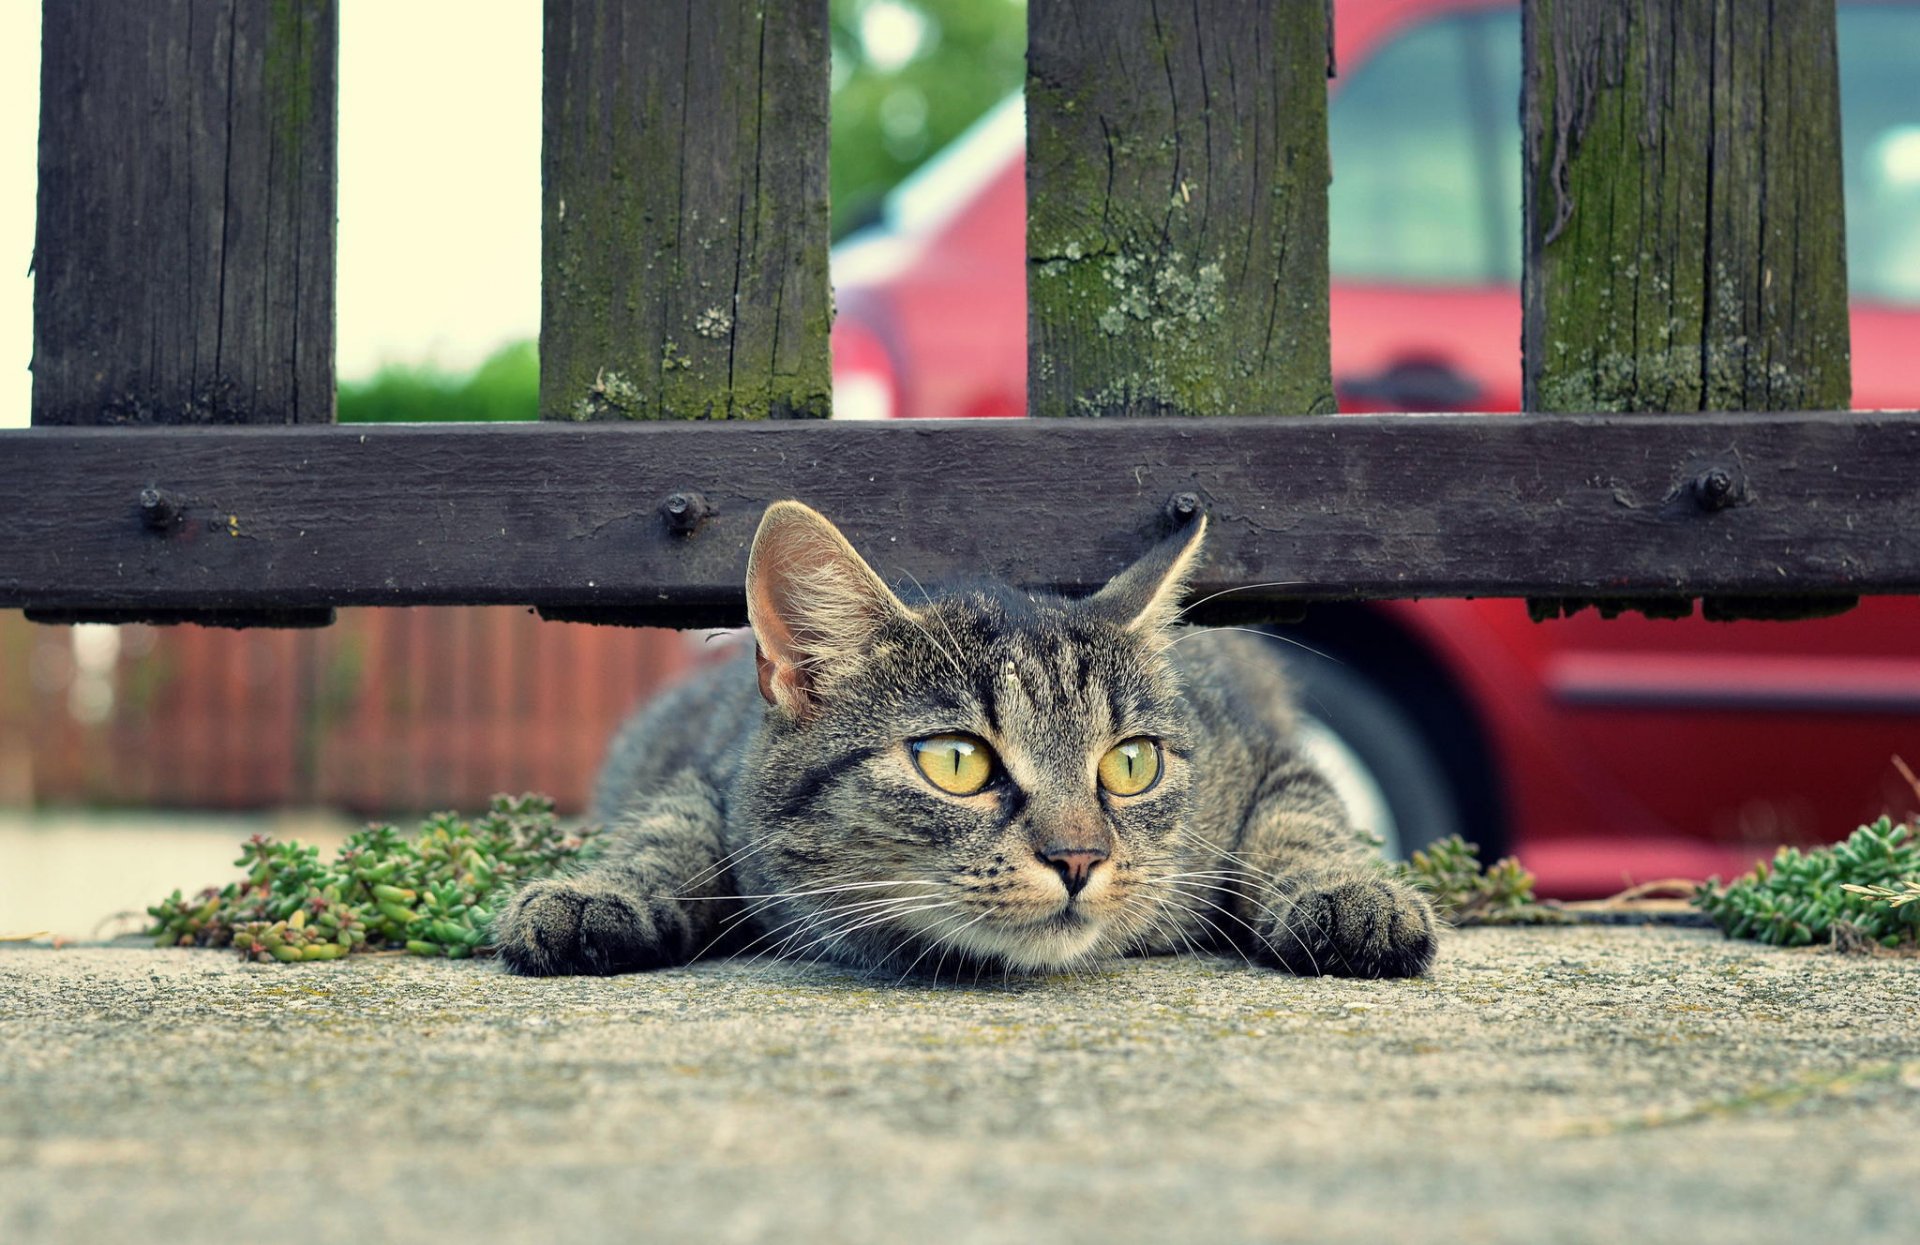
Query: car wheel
(1375, 755)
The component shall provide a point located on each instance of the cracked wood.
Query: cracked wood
(1685, 234)
(1177, 207)
(184, 250)
(684, 224)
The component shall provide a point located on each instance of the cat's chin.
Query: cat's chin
(1037, 948)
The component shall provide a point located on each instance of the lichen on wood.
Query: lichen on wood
(1684, 222)
(1177, 220)
(684, 223)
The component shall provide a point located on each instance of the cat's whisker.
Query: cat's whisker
(801, 927)
(932, 935)
(1201, 885)
(1325, 934)
(839, 935)
(944, 952)
(935, 937)
(871, 911)
(829, 912)
(1165, 922)
(1278, 583)
(1177, 903)
(1262, 879)
(1227, 875)
(1187, 633)
(1122, 934)
(953, 942)
(1264, 872)
(953, 654)
(1226, 940)
(730, 859)
(812, 919)
(1228, 886)
(1189, 890)
(946, 940)
(827, 890)
(766, 899)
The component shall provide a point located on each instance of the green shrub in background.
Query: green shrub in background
(506, 386)
(432, 894)
(961, 57)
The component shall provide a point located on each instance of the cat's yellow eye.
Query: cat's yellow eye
(1131, 766)
(957, 764)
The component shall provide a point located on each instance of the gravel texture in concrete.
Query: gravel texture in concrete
(1543, 1085)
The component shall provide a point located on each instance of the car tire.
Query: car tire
(1375, 754)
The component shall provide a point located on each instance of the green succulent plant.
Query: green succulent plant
(1868, 883)
(1465, 892)
(432, 893)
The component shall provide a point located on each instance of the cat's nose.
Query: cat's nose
(1073, 864)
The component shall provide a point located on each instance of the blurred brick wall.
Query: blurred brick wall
(385, 711)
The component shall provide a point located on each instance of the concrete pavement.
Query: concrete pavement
(1544, 1085)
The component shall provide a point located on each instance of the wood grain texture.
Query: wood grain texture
(684, 225)
(184, 252)
(1177, 207)
(1685, 234)
(1618, 507)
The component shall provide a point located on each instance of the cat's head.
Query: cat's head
(982, 775)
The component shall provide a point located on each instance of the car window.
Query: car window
(1427, 154)
(1407, 201)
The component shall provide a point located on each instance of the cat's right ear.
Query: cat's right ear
(813, 602)
(1147, 595)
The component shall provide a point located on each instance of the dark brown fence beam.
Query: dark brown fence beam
(1623, 507)
(1686, 243)
(1177, 207)
(684, 227)
(183, 255)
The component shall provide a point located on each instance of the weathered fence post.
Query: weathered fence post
(1177, 207)
(1685, 236)
(183, 259)
(184, 249)
(684, 229)
(1685, 231)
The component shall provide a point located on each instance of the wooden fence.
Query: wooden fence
(1683, 254)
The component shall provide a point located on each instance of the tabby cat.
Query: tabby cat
(985, 779)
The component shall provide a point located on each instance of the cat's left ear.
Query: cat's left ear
(814, 604)
(1147, 595)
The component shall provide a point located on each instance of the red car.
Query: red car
(1603, 751)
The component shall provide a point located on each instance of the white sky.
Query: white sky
(439, 183)
(19, 124)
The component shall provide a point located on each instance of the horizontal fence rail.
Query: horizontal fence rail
(650, 523)
(1683, 251)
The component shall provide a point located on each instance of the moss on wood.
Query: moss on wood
(1685, 235)
(684, 234)
(1176, 225)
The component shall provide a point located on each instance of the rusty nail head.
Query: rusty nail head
(157, 510)
(685, 511)
(1716, 488)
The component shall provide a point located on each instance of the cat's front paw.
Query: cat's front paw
(1357, 927)
(565, 926)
